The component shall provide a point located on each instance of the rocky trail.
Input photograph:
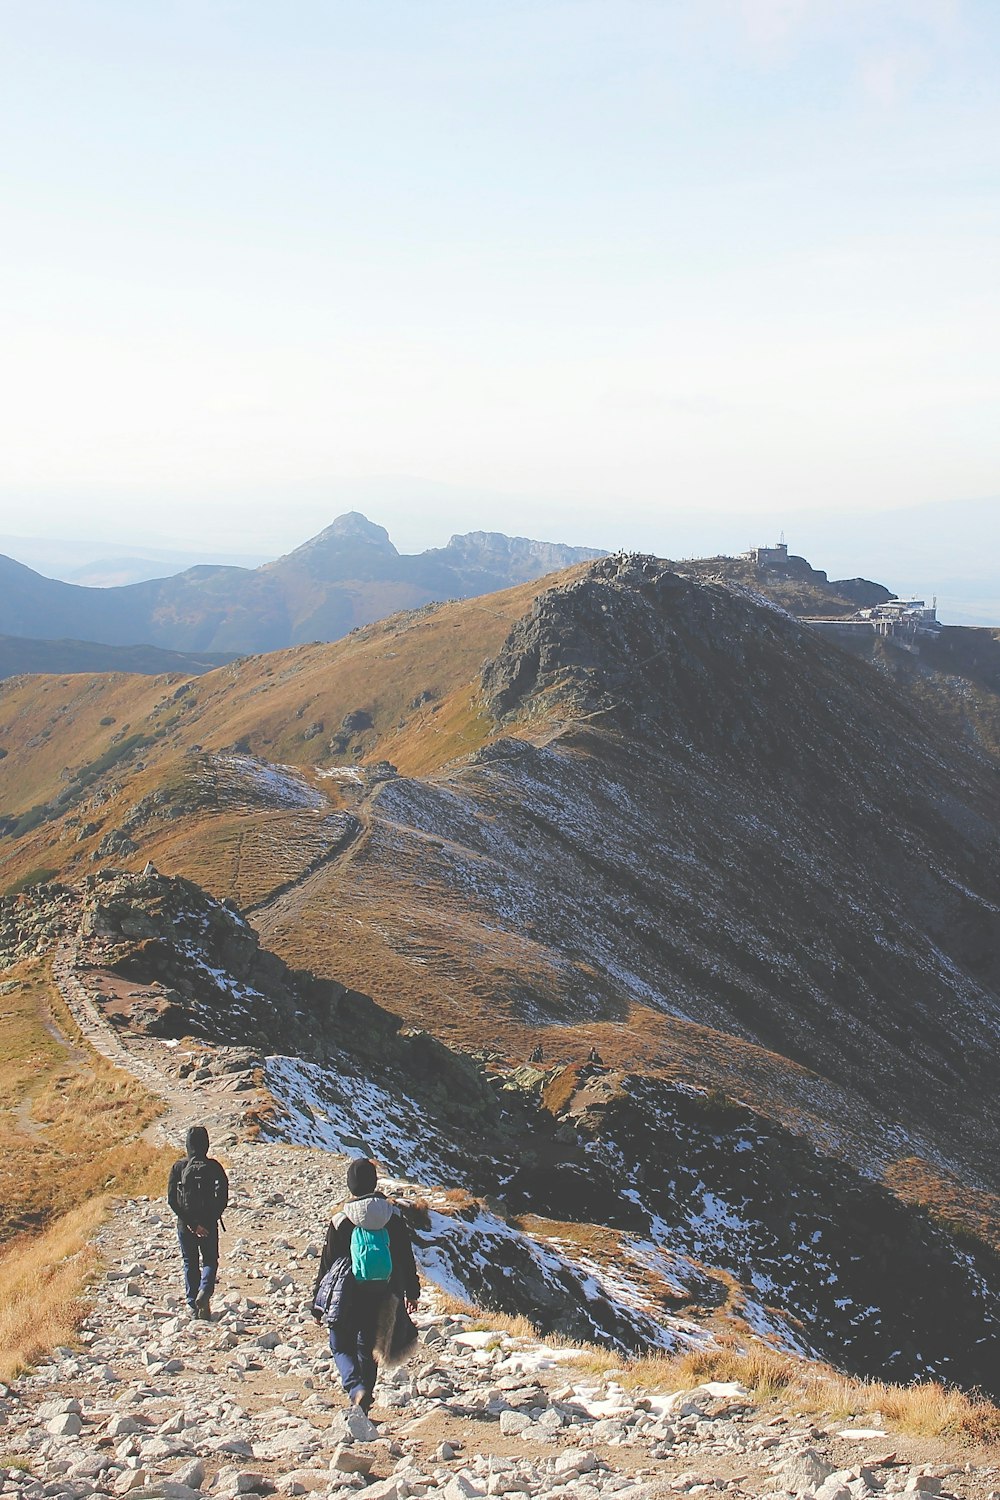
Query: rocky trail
(153, 1404)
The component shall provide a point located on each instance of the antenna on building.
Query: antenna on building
(781, 540)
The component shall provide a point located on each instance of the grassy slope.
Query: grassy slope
(414, 675)
(72, 1139)
(386, 921)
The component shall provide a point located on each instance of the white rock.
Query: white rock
(158, 1448)
(382, 1489)
(192, 1474)
(68, 1425)
(352, 1424)
(122, 1426)
(348, 1462)
(132, 1479)
(461, 1486)
(59, 1408)
(804, 1471)
(238, 1481)
(576, 1461)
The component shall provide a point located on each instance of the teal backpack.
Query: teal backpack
(371, 1258)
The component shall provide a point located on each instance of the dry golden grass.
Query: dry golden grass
(415, 675)
(43, 1278)
(72, 1141)
(925, 1410)
(74, 1121)
(969, 1212)
(48, 723)
(459, 726)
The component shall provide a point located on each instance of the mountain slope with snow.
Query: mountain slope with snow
(638, 814)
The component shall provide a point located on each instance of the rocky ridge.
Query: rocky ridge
(634, 1212)
(158, 1407)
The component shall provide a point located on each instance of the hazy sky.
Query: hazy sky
(557, 268)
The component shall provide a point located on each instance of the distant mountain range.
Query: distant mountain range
(19, 654)
(101, 564)
(348, 575)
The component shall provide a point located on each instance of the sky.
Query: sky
(575, 269)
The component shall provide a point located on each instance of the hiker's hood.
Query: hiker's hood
(369, 1213)
(197, 1141)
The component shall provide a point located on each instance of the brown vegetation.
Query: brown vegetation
(972, 1213)
(928, 1409)
(72, 1143)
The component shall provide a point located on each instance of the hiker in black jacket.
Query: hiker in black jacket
(198, 1192)
(367, 1285)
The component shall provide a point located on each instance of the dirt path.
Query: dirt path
(161, 1407)
(344, 847)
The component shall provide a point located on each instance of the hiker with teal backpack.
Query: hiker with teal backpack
(367, 1285)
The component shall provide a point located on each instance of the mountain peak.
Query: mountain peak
(352, 526)
(349, 544)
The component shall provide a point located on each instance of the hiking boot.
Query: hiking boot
(203, 1306)
(358, 1397)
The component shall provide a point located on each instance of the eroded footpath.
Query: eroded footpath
(153, 1404)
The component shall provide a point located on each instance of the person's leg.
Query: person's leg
(208, 1245)
(344, 1348)
(189, 1252)
(369, 1312)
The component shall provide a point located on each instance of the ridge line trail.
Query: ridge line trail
(184, 1105)
(345, 847)
(248, 1404)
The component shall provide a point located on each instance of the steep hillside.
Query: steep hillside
(665, 821)
(347, 576)
(954, 676)
(79, 752)
(607, 1206)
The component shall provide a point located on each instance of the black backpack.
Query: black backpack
(197, 1192)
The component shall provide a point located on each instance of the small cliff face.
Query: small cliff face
(872, 1284)
(601, 1203)
(497, 561)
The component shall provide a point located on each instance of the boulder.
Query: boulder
(804, 1471)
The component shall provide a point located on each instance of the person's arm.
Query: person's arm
(402, 1260)
(172, 1185)
(221, 1190)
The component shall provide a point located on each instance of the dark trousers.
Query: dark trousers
(352, 1336)
(201, 1261)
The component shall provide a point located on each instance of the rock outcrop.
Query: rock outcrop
(682, 1200)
